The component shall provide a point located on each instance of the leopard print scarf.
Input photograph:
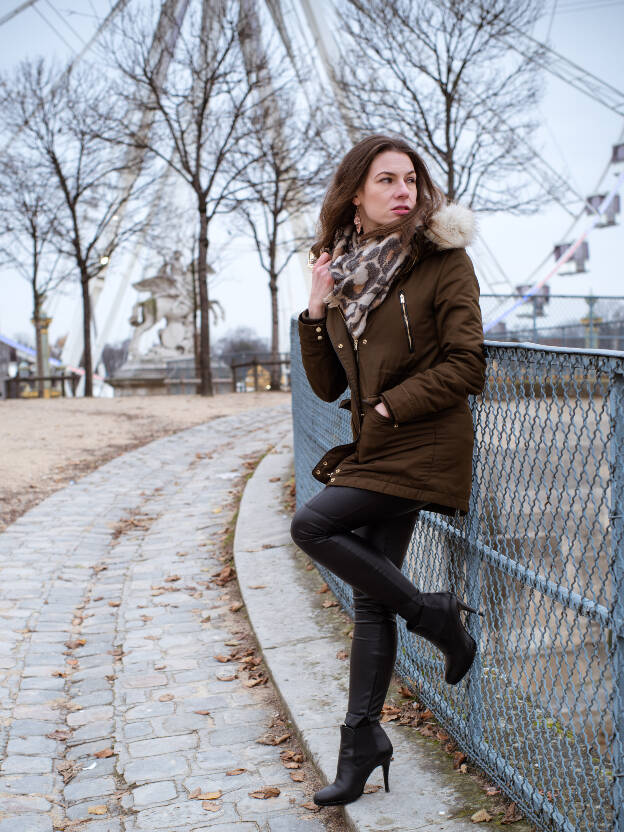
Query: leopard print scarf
(363, 274)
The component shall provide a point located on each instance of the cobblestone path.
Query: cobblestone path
(115, 712)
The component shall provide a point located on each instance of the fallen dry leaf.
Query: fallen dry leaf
(251, 683)
(330, 602)
(458, 758)
(97, 810)
(221, 658)
(236, 606)
(59, 735)
(342, 655)
(256, 586)
(105, 752)
(369, 788)
(297, 776)
(211, 807)
(481, 817)
(492, 790)
(202, 712)
(234, 771)
(227, 678)
(292, 765)
(311, 807)
(166, 697)
(171, 578)
(265, 792)
(323, 588)
(405, 691)
(68, 769)
(512, 814)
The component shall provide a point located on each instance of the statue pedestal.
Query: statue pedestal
(140, 378)
(164, 376)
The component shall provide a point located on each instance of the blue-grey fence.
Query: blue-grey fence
(541, 552)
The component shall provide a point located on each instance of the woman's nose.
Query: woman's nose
(401, 189)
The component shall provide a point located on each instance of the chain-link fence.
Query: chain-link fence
(541, 552)
(585, 321)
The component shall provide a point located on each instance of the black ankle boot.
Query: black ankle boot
(362, 749)
(438, 621)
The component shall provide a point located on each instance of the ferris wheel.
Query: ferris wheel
(300, 23)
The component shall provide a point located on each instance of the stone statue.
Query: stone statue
(171, 298)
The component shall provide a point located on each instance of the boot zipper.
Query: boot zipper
(406, 321)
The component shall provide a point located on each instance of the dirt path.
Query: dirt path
(46, 443)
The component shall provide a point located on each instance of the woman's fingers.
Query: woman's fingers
(322, 280)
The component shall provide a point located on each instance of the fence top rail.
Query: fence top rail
(587, 296)
(616, 355)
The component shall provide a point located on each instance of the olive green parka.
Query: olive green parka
(422, 353)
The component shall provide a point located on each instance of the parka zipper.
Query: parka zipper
(406, 321)
(354, 340)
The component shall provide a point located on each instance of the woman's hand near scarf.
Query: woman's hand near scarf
(322, 284)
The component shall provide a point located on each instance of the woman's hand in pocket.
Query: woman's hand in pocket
(381, 408)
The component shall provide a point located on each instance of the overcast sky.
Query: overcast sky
(576, 139)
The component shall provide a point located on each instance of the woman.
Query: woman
(394, 314)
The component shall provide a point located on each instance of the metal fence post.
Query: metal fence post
(617, 543)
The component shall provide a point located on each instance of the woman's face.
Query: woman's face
(389, 190)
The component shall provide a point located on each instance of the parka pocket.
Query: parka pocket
(405, 451)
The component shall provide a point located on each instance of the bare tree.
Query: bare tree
(443, 75)
(288, 170)
(197, 113)
(28, 210)
(54, 123)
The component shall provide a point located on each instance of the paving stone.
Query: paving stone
(155, 768)
(22, 804)
(27, 823)
(75, 791)
(154, 793)
(31, 745)
(88, 716)
(162, 745)
(28, 784)
(93, 731)
(34, 727)
(288, 823)
(188, 812)
(18, 764)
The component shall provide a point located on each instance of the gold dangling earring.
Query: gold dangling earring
(357, 220)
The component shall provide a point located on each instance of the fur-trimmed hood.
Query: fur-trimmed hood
(453, 226)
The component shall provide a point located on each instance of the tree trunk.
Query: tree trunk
(86, 334)
(276, 369)
(205, 372)
(38, 344)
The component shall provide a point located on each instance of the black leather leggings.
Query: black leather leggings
(362, 536)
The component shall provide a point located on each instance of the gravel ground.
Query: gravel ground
(44, 444)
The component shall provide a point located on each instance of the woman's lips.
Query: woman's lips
(400, 210)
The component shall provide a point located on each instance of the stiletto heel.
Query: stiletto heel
(463, 606)
(386, 770)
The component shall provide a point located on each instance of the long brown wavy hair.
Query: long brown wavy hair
(337, 210)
